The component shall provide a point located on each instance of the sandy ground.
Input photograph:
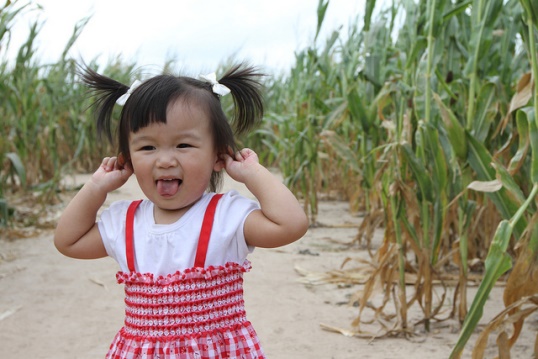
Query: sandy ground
(56, 307)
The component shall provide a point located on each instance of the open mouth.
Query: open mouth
(168, 187)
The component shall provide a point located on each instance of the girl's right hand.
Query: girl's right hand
(111, 174)
(77, 233)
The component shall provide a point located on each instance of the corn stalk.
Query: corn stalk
(497, 263)
(45, 130)
(430, 128)
(521, 282)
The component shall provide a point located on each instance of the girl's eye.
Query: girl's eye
(183, 145)
(147, 148)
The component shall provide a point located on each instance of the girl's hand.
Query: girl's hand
(111, 174)
(77, 234)
(280, 219)
(242, 164)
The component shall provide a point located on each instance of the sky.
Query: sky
(197, 34)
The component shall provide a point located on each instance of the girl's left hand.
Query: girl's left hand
(280, 219)
(242, 164)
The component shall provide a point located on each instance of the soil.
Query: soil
(56, 307)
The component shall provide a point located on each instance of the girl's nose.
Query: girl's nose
(167, 160)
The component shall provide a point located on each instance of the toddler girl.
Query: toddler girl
(182, 251)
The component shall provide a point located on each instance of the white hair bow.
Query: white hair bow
(123, 98)
(217, 88)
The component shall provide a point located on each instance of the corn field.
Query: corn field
(422, 114)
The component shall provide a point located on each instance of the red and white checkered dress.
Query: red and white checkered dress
(193, 314)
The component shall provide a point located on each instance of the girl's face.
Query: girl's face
(173, 161)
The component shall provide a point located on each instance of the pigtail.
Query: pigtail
(245, 88)
(106, 92)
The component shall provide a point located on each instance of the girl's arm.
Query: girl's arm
(281, 219)
(77, 235)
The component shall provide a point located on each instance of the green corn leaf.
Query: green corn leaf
(8, 16)
(531, 10)
(532, 246)
(528, 113)
(480, 159)
(438, 16)
(439, 217)
(454, 129)
(523, 144)
(419, 172)
(486, 110)
(357, 110)
(370, 5)
(513, 190)
(456, 10)
(483, 17)
(410, 228)
(322, 10)
(436, 157)
(4, 212)
(17, 166)
(497, 263)
(466, 210)
(481, 162)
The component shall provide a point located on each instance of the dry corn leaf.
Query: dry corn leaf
(345, 332)
(485, 186)
(523, 280)
(511, 314)
(502, 344)
(350, 276)
(354, 333)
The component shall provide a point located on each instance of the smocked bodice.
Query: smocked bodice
(192, 302)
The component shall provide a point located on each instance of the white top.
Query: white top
(164, 249)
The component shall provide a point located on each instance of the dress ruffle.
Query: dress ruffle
(189, 273)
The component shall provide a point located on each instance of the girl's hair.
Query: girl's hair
(148, 103)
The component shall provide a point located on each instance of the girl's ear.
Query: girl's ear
(121, 160)
(219, 164)
(124, 162)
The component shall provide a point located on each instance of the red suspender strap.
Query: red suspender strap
(205, 232)
(129, 245)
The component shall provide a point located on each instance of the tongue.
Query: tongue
(167, 188)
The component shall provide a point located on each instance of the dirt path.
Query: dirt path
(55, 307)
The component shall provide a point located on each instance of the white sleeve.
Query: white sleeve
(228, 238)
(112, 228)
